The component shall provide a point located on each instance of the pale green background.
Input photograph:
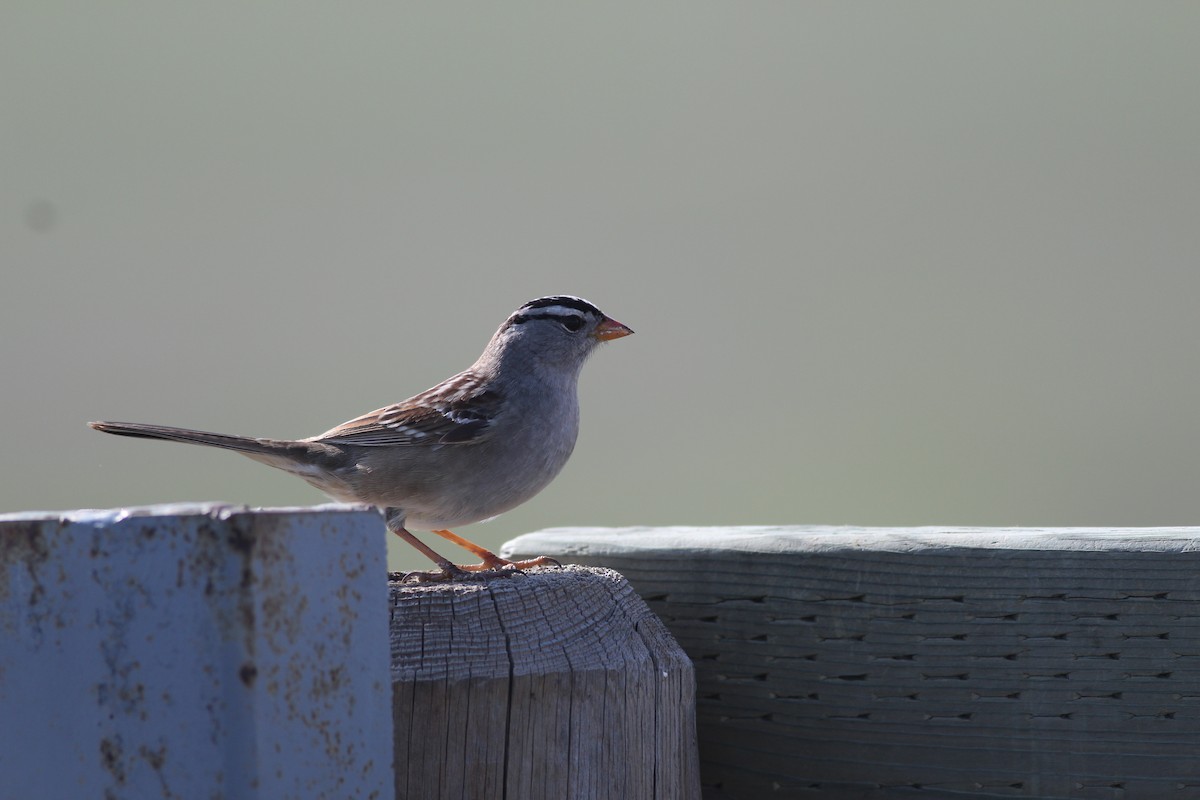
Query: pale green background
(893, 263)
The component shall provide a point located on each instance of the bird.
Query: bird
(468, 449)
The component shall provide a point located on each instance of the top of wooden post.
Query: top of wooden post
(549, 619)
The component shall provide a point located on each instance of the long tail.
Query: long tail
(242, 444)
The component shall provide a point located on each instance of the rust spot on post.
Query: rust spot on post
(248, 673)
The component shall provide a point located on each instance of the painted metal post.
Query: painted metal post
(197, 651)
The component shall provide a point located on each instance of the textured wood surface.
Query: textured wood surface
(556, 684)
(955, 662)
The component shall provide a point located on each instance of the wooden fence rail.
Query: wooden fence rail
(930, 662)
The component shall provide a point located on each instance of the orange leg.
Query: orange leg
(448, 568)
(394, 519)
(493, 565)
(491, 561)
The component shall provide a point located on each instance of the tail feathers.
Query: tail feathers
(242, 444)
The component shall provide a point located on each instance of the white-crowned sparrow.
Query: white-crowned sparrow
(472, 447)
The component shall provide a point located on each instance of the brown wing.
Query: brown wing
(457, 411)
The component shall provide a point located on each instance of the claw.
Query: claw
(450, 572)
(498, 564)
(489, 568)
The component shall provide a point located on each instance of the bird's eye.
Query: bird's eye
(573, 324)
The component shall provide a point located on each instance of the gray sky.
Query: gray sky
(908, 263)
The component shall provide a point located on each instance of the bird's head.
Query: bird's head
(559, 329)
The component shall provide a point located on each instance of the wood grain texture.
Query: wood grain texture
(955, 662)
(559, 683)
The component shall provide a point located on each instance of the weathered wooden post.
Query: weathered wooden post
(927, 662)
(559, 683)
(194, 652)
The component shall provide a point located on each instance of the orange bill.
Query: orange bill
(611, 329)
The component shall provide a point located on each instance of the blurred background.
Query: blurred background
(895, 264)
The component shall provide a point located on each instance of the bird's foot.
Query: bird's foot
(496, 564)
(494, 567)
(444, 573)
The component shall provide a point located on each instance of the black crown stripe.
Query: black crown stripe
(564, 300)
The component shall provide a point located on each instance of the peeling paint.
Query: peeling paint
(149, 652)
